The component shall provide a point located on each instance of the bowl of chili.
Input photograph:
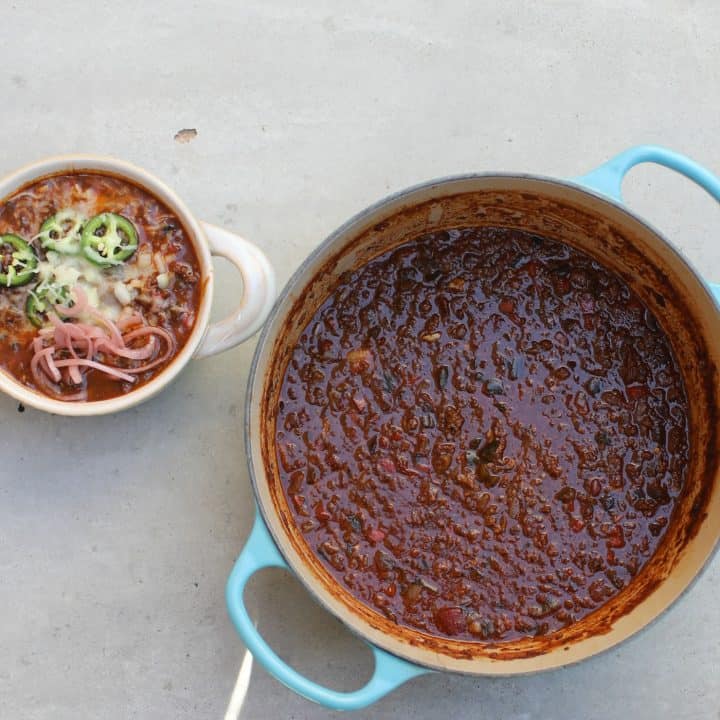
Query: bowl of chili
(106, 285)
(482, 427)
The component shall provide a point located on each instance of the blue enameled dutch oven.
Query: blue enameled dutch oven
(588, 213)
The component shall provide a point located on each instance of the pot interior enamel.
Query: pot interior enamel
(618, 240)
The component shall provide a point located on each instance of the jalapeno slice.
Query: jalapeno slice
(42, 298)
(62, 232)
(109, 239)
(36, 310)
(18, 262)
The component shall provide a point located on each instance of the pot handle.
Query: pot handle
(260, 552)
(258, 292)
(608, 177)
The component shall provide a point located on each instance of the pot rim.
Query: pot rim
(339, 232)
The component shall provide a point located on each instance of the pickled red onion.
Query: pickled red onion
(73, 347)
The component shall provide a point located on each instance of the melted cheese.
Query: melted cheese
(107, 289)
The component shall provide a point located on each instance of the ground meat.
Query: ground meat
(185, 272)
(481, 434)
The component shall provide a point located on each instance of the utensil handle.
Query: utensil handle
(258, 292)
(608, 177)
(260, 552)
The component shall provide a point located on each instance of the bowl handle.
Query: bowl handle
(260, 552)
(258, 292)
(608, 177)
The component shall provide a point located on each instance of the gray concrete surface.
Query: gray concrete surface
(117, 534)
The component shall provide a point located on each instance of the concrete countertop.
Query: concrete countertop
(117, 534)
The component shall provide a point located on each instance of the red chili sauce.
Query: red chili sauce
(482, 434)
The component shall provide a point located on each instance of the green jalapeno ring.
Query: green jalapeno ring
(109, 239)
(41, 299)
(62, 232)
(23, 265)
(35, 309)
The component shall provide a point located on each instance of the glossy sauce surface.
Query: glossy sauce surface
(482, 434)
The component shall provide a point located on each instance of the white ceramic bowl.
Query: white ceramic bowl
(257, 296)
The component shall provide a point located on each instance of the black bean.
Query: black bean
(441, 376)
(389, 381)
(493, 387)
(517, 367)
(488, 450)
(602, 439)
